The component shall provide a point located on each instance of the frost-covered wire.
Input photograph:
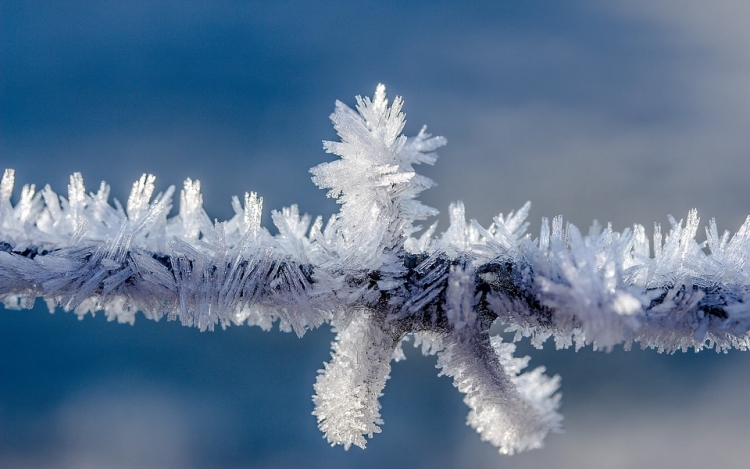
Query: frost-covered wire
(377, 282)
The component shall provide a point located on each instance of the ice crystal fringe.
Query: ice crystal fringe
(368, 275)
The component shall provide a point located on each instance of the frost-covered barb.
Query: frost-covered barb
(368, 274)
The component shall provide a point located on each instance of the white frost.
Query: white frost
(366, 274)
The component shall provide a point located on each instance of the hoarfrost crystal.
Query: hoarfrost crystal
(367, 274)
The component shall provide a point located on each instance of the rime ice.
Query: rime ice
(368, 275)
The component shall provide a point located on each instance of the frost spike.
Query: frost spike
(140, 196)
(6, 191)
(348, 388)
(512, 411)
(252, 213)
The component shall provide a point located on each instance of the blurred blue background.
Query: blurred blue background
(621, 111)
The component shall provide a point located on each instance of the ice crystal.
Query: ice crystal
(367, 274)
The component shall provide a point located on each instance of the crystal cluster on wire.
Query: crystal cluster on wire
(370, 275)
